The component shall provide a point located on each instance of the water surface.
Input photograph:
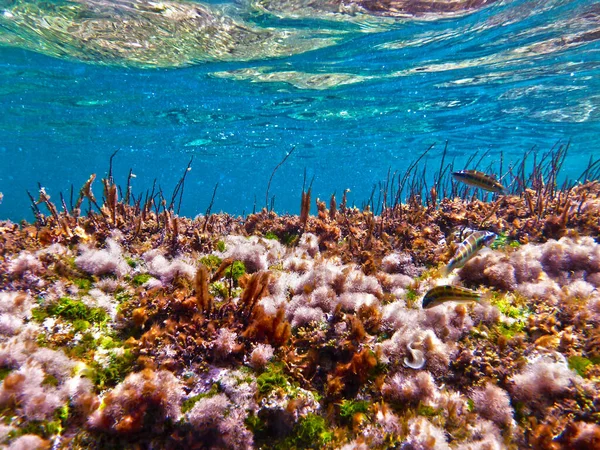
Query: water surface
(355, 94)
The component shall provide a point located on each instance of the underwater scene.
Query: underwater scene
(300, 224)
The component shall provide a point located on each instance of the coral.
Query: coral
(29, 442)
(491, 268)
(24, 389)
(225, 344)
(143, 401)
(105, 261)
(309, 244)
(15, 308)
(5, 431)
(216, 419)
(25, 262)
(423, 435)
(260, 356)
(354, 301)
(395, 315)
(305, 315)
(485, 436)
(541, 381)
(411, 388)
(354, 445)
(257, 254)
(160, 267)
(580, 436)
(208, 412)
(493, 403)
(450, 322)
(400, 263)
(99, 299)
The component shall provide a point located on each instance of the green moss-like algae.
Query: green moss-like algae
(72, 310)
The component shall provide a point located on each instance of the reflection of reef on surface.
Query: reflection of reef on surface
(132, 326)
(300, 80)
(423, 9)
(176, 33)
(144, 33)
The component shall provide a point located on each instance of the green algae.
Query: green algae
(4, 371)
(581, 364)
(310, 432)
(122, 296)
(290, 239)
(511, 306)
(218, 289)
(502, 241)
(350, 407)
(119, 366)
(85, 346)
(235, 270)
(212, 262)
(71, 310)
(133, 263)
(42, 428)
(412, 296)
(428, 411)
(84, 284)
(470, 405)
(271, 235)
(141, 278)
(81, 325)
(273, 378)
(50, 380)
(509, 330)
(189, 403)
(108, 342)
(255, 425)
(220, 245)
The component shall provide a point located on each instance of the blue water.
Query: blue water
(501, 80)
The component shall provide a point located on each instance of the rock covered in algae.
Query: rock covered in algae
(143, 33)
(143, 328)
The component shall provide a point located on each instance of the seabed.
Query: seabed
(132, 327)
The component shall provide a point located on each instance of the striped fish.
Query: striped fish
(447, 293)
(468, 248)
(480, 180)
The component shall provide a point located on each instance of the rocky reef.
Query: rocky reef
(132, 327)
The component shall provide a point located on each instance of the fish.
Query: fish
(468, 248)
(447, 293)
(480, 180)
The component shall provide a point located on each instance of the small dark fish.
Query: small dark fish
(480, 180)
(468, 248)
(447, 293)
